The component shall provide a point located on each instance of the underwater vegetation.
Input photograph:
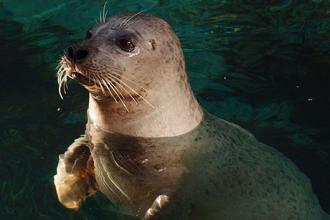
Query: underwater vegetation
(261, 64)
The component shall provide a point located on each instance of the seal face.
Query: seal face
(149, 146)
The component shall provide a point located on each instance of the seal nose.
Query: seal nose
(76, 54)
(81, 54)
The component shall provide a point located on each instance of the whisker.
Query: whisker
(120, 25)
(103, 10)
(92, 78)
(111, 85)
(119, 70)
(109, 89)
(115, 88)
(60, 85)
(103, 13)
(118, 76)
(145, 100)
(101, 86)
(105, 16)
(62, 69)
(125, 22)
(127, 92)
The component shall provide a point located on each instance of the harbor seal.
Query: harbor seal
(153, 150)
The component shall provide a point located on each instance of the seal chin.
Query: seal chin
(89, 84)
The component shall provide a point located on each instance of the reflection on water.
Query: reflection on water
(261, 65)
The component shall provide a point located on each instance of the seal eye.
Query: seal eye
(88, 34)
(126, 44)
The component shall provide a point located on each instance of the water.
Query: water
(264, 66)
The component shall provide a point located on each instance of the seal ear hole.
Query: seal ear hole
(153, 44)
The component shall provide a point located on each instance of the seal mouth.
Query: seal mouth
(81, 78)
(111, 86)
(67, 69)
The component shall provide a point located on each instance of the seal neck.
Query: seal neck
(175, 112)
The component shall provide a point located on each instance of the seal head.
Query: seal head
(133, 67)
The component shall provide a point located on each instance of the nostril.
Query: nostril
(81, 54)
(69, 52)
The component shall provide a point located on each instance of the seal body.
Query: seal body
(216, 171)
(150, 147)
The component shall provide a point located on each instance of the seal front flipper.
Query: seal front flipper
(154, 211)
(167, 207)
(75, 180)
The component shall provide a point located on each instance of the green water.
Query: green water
(264, 66)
